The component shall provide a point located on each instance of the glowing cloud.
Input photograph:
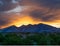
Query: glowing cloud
(24, 12)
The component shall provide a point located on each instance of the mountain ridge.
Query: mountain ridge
(31, 28)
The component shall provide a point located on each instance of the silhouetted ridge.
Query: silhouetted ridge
(41, 24)
(10, 29)
(45, 26)
(37, 28)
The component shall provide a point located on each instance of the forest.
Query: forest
(30, 38)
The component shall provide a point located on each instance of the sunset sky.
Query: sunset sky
(24, 12)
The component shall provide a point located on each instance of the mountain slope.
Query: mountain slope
(31, 28)
(10, 29)
(37, 28)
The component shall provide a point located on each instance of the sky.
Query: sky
(24, 12)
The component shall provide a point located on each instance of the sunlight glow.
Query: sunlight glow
(25, 21)
(28, 20)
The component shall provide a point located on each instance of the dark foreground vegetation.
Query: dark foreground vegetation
(30, 38)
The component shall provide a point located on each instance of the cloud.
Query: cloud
(8, 19)
(44, 10)
(44, 3)
(39, 10)
(46, 16)
(6, 5)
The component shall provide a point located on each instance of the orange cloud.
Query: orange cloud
(33, 12)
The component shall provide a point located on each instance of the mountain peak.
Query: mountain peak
(13, 26)
(42, 24)
(31, 28)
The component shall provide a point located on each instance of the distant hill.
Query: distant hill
(10, 29)
(37, 28)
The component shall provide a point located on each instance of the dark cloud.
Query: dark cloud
(41, 15)
(51, 3)
(6, 5)
(49, 10)
(47, 15)
(8, 19)
(44, 3)
(4, 20)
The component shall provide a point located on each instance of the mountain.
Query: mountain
(10, 29)
(37, 28)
